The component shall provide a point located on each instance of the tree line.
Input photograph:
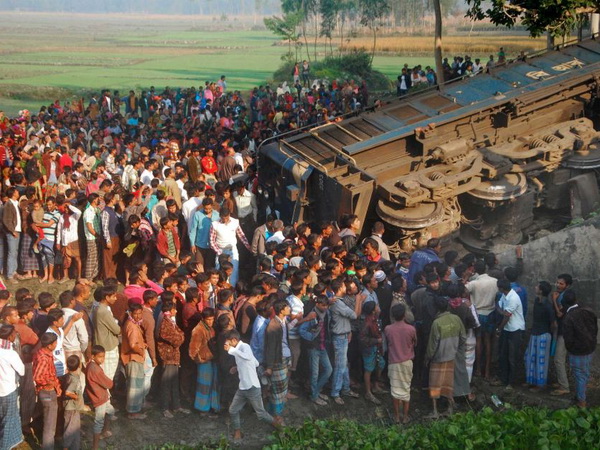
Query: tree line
(303, 22)
(180, 7)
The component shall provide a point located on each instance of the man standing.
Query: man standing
(107, 330)
(563, 285)
(377, 234)
(148, 326)
(483, 290)
(447, 338)
(47, 244)
(401, 339)
(133, 350)
(200, 233)
(11, 367)
(223, 239)
(247, 208)
(421, 258)
(277, 358)
(92, 231)
(261, 234)
(510, 331)
(580, 332)
(111, 230)
(11, 220)
(315, 331)
(341, 317)
(171, 187)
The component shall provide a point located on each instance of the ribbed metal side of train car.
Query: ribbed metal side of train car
(474, 158)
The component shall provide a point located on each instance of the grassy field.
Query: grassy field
(44, 57)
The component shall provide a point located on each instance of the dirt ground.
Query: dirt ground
(194, 429)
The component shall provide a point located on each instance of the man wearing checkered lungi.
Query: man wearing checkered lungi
(93, 237)
(277, 358)
(133, 355)
(580, 331)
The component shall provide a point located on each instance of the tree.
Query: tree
(437, 49)
(371, 14)
(329, 14)
(284, 27)
(558, 17)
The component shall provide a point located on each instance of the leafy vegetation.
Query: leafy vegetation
(531, 428)
(355, 65)
(559, 17)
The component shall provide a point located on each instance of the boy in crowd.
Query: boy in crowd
(97, 385)
(47, 387)
(73, 404)
(249, 388)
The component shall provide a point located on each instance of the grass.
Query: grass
(45, 56)
(452, 45)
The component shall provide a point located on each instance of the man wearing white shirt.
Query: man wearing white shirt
(249, 388)
(147, 176)
(196, 195)
(278, 232)
(76, 338)
(223, 239)
(510, 331)
(247, 209)
(483, 289)
(10, 366)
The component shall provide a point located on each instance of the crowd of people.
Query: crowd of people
(183, 291)
(417, 78)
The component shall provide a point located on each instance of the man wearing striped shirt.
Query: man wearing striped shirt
(50, 223)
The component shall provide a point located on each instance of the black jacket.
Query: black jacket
(580, 331)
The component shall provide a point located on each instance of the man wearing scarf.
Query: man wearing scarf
(133, 353)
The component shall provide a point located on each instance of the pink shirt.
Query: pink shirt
(133, 291)
(401, 338)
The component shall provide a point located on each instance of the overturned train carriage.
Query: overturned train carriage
(486, 159)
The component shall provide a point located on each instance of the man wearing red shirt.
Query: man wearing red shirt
(47, 387)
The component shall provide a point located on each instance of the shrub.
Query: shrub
(355, 65)
(531, 428)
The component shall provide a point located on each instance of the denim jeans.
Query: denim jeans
(12, 243)
(235, 260)
(318, 358)
(580, 366)
(252, 396)
(341, 376)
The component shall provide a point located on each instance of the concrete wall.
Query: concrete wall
(574, 250)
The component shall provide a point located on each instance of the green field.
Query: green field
(43, 57)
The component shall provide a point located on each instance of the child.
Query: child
(73, 404)
(403, 265)
(47, 387)
(371, 340)
(249, 387)
(97, 385)
(37, 217)
(170, 338)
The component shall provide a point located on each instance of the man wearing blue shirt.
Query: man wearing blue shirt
(200, 232)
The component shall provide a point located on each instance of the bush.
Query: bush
(531, 428)
(355, 65)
